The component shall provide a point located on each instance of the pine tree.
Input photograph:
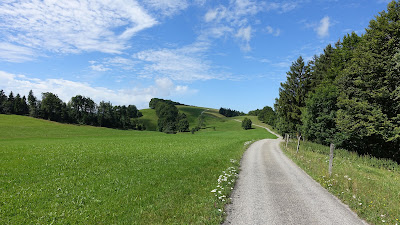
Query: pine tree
(3, 101)
(33, 105)
(292, 95)
(9, 106)
(18, 105)
(369, 114)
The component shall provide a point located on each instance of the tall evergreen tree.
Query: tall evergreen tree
(25, 107)
(33, 105)
(292, 95)
(18, 105)
(369, 114)
(319, 115)
(9, 106)
(3, 101)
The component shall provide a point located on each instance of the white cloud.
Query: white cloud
(237, 18)
(15, 53)
(167, 7)
(72, 26)
(244, 34)
(210, 15)
(184, 64)
(323, 27)
(115, 63)
(165, 87)
(282, 7)
(232, 20)
(99, 68)
(65, 89)
(276, 32)
(235, 14)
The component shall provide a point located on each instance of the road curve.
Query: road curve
(271, 189)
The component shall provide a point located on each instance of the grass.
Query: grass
(67, 174)
(370, 186)
(192, 113)
(256, 121)
(149, 119)
(214, 113)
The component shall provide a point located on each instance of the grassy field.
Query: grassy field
(67, 174)
(370, 186)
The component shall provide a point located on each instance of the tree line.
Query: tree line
(230, 112)
(266, 115)
(350, 94)
(79, 110)
(169, 119)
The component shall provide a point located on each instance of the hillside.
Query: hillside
(150, 118)
(69, 174)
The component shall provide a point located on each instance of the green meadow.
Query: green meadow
(67, 174)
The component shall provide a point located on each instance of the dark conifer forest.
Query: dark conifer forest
(350, 94)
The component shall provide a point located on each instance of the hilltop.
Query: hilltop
(149, 118)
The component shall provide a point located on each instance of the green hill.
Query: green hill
(150, 118)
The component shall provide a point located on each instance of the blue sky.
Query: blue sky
(203, 52)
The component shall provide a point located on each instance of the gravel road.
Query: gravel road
(271, 189)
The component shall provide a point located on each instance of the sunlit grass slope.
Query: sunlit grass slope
(66, 174)
(192, 113)
(150, 118)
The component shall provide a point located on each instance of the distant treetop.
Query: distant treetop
(153, 102)
(230, 112)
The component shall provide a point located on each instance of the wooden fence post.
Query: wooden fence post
(298, 143)
(331, 159)
(287, 139)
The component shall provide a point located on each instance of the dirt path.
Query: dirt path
(271, 189)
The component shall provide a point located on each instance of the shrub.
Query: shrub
(246, 123)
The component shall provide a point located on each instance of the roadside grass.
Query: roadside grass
(369, 186)
(68, 174)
